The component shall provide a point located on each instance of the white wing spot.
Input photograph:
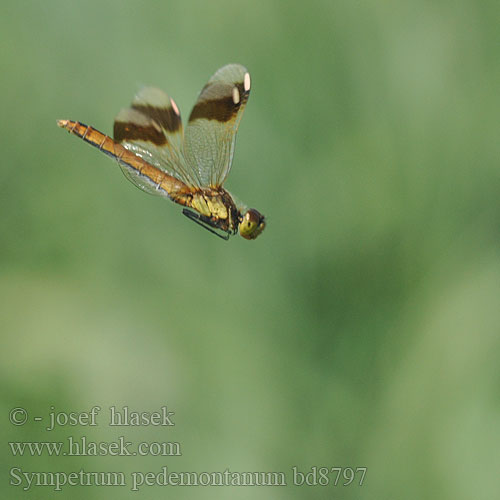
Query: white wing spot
(236, 95)
(174, 107)
(246, 82)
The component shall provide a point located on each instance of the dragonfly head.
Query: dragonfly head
(252, 224)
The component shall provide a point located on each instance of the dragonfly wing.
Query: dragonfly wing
(211, 132)
(152, 129)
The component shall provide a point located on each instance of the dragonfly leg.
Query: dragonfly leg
(197, 218)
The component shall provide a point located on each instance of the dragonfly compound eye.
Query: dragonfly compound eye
(252, 224)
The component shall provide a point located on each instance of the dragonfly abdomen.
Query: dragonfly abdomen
(135, 164)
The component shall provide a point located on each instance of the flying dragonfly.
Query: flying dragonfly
(188, 167)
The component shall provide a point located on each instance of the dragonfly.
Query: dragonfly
(187, 166)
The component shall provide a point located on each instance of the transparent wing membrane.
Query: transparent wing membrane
(211, 132)
(152, 129)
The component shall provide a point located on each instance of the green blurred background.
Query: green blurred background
(360, 330)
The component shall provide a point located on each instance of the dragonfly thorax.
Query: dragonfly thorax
(217, 208)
